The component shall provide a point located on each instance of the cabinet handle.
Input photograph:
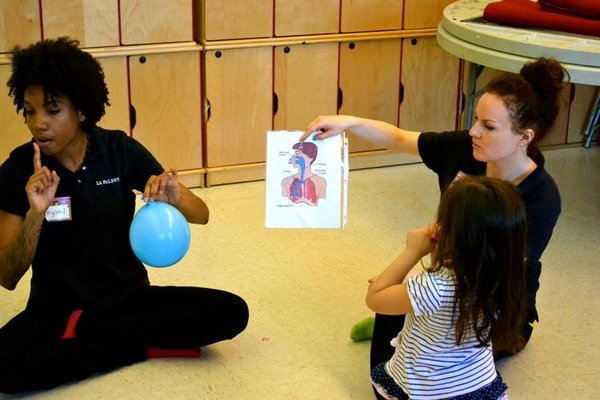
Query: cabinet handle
(275, 103)
(340, 99)
(132, 117)
(207, 109)
(401, 92)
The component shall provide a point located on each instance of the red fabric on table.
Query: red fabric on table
(527, 14)
(581, 8)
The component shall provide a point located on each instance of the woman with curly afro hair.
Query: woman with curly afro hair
(65, 211)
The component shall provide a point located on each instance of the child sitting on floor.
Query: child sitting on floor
(469, 297)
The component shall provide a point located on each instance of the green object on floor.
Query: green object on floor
(363, 330)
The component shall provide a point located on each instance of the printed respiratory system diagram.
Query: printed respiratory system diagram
(301, 189)
(306, 181)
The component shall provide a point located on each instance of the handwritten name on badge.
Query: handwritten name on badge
(59, 210)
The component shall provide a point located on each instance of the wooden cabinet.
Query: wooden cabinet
(203, 107)
(156, 21)
(93, 23)
(306, 17)
(165, 93)
(115, 75)
(252, 19)
(371, 15)
(15, 132)
(233, 19)
(430, 86)
(305, 84)
(19, 23)
(239, 101)
(370, 83)
(424, 13)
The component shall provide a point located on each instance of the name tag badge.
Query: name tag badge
(59, 210)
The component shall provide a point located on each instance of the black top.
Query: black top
(86, 261)
(447, 153)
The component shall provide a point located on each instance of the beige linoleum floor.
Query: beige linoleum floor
(305, 289)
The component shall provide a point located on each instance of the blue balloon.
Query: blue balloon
(159, 234)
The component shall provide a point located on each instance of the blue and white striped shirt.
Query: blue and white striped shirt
(427, 363)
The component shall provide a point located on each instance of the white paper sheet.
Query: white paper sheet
(306, 182)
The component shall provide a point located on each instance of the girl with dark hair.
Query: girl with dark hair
(91, 307)
(472, 295)
(515, 112)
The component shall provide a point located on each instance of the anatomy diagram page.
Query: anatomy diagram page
(306, 182)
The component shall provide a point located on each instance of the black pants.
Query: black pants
(387, 327)
(33, 356)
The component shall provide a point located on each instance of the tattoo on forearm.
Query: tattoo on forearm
(20, 254)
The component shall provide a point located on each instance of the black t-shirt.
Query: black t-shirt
(447, 153)
(86, 261)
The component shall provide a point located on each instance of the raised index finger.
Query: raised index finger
(37, 158)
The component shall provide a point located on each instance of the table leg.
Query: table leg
(592, 124)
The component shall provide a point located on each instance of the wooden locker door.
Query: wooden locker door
(239, 93)
(115, 75)
(371, 15)
(370, 83)
(305, 84)
(14, 129)
(419, 14)
(306, 17)
(165, 92)
(19, 24)
(156, 21)
(236, 19)
(93, 23)
(430, 80)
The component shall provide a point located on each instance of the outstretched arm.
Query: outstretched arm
(166, 188)
(378, 132)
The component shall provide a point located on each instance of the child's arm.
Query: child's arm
(387, 294)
